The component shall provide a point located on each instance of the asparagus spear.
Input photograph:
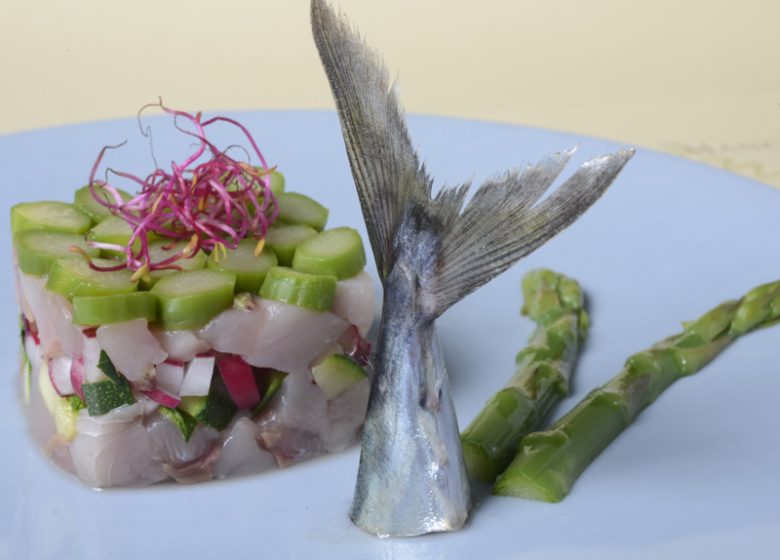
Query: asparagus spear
(548, 463)
(541, 378)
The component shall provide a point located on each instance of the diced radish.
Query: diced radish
(59, 373)
(90, 332)
(355, 346)
(169, 377)
(90, 355)
(33, 351)
(239, 380)
(77, 375)
(197, 377)
(132, 348)
(163, 398)
(31, 329)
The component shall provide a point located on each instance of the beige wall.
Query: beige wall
(691, 77)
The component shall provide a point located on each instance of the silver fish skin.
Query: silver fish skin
(430, 251)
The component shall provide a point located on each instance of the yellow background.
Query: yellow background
(695, 78)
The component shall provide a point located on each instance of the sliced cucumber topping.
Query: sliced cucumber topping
(285, 238)
(336, 252)
(162, 249)
(249, 270)
(37, 250)
(72, 276)
(48, 215)
(86, 202)
(296, 208)
(114, 230)
(118, 308)
(277, 183)
(312, 291)
(336, 374)
(190, 299)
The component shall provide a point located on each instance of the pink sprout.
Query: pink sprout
(210, 204)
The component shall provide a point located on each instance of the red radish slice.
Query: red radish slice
(169, 377)
(197, 377)
(59, 373)
(163, 398)
(77, 375)
(239, 380)
(355, 346)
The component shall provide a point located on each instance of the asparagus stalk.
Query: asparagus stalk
(541, 378)
(549, 462)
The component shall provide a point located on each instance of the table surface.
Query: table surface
(697, 79)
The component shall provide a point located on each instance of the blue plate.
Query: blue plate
(694, 477)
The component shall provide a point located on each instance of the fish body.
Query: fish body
(412, 479)
(431, 251)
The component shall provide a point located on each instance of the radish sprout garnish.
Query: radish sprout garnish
(210, 201)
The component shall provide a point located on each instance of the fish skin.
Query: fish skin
(430, 251)
(412, 478)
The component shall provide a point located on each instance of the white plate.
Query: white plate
(695, 476)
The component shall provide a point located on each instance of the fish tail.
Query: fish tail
(506, 218)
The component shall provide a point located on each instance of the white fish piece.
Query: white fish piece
(132, 348)
(276, 335)
(181, 346)
(293, 337)
(355, 301)
(235, 331)
(52, 314)
(114, 449)
(241, 452)
(430, 251)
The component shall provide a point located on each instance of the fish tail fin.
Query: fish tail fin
(505, 219)
(387, 171)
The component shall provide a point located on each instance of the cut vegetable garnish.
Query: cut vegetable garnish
(277, 182)
(269, 381)
(72, 276)
(248, 268)
(208, 204)
(104, 396)
(111, 236)
(85, 199)
(336, 252)
(37, 250)
(541, 378)
(312, 291)
(336, 374)
(190, 299)
(197, 377)
(283, 239)
(48, 216)
(181, 420)
(297, 208)
(176, 255)
(116, 308)
(548, 463)
(215, 410)
(239, 380)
